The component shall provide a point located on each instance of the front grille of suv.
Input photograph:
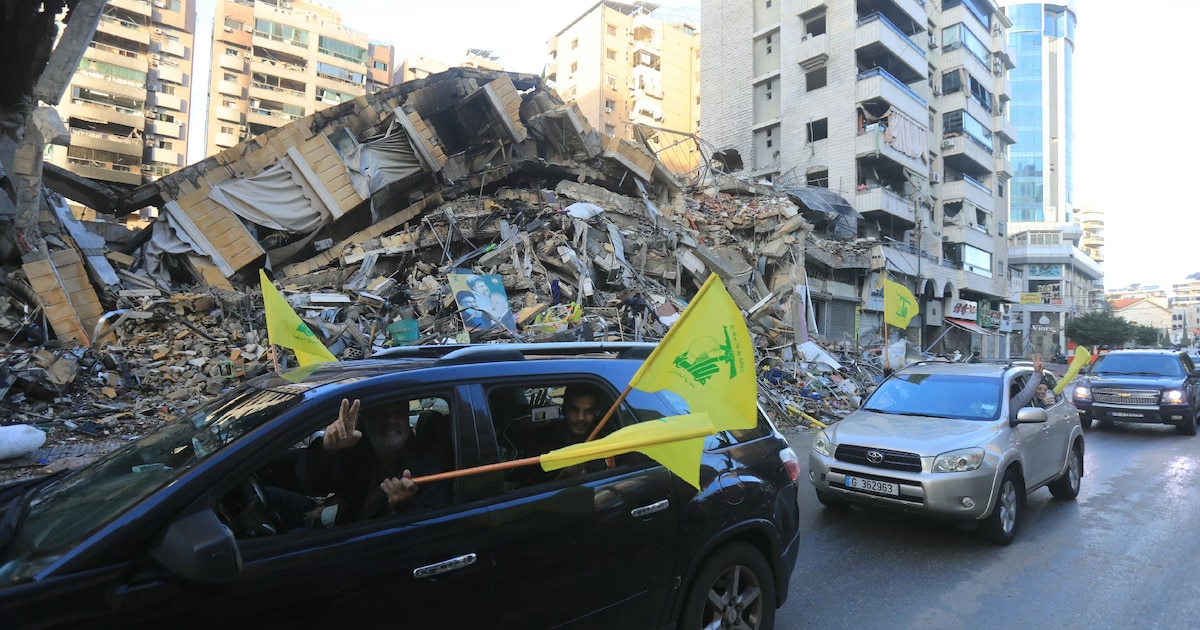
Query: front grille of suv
(1115, 396)
(895, 460)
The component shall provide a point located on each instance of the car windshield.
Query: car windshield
(67, 510)
(959, 396)
(1148, 364)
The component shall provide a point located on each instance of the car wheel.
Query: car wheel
(1187, 428)
(1067, 486)
(734, 589)
(1000, 527)
(829, 501)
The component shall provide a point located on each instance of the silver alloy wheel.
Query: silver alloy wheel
(1007, 504)
(1075, 469)
(734, 600)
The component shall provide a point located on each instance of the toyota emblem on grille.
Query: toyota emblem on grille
(875, 457)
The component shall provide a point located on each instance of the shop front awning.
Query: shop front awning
(968, 326)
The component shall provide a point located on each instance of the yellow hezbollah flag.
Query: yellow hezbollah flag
(707, 359)
(676, 442)
(899, 305)
(285, 328)
(1082, 358)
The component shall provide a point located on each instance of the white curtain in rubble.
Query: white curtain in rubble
(278, 198)
(379, 162)
(167, 237)
(905, 134)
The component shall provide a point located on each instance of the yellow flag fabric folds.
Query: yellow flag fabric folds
(899, 305)
(676, 442)
(1082, 358)
(285, 328)
(707, 359)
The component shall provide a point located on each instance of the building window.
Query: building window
(768, 87)
(610, 81)
(574, 43)
(230, 77)
(814, 26)
(234, 24)
(818, 178)
(611, 54)
(768, 44)
(815, 79)
(381, 65)
(818, 130)
(612, 30)
(609, 104)
(574, 66)
(571, 93)
(610, 130)
(228, 130)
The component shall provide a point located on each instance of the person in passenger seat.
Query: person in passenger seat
(1026, 396)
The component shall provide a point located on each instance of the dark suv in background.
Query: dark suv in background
(1145, 386)
(186, 521)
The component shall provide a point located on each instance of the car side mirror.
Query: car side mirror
(1031, 415)
(200, 548)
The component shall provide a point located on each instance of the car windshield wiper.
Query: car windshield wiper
(16, 502)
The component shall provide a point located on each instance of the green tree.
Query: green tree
(1100, 329)
(1146, 336)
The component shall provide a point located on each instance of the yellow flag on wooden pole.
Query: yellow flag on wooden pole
(285, 328)
(899, 305)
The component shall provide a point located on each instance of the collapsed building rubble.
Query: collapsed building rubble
(364, 214)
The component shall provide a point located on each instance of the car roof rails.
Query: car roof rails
(452, 354)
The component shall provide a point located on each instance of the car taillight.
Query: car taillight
(791, 462)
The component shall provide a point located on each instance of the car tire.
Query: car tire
(829, 501)
(1187, 428)
(1067, 486)
(733, 589)
(1000, 527)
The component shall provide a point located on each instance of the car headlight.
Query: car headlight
(959, 461)
(1083, 392)
(822, 445)
(1172, 397)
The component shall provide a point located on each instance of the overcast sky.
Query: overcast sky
(1130, 161)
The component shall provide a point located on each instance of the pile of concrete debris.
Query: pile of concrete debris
(374, 218)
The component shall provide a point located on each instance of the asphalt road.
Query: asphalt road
(1122, 555)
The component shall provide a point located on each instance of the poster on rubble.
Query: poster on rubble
(482, 301)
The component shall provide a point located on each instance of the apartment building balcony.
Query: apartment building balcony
(805, 7)
(1003, 87)
(108, 84)
(269, 117)
(167, 101)
(230, 114)
(1092, 240)
(106, 171)
(961, 13)
(117, 56)
(1002, 167)
(169, 73)
(962, 58)
(232, 62)
(646, 82)
(968, 189)
(898, 11)
(231, 88)
(112, 25)
(338, 84)
(278, 68)
(964, 147)
(1057, 254)
(285, 46)
(1003, 127)
(646, 33)
(974, 235)
(878, 42)
(1089, 222)
(102, 112)
(1000, 47)
(225, 140)
(124, 145)
(814, 51)
(875, 202)
(871, 143)
(166, 156)
(164, 128)
(140, 7)
(962, 100)
(975, 280)
(877, 84)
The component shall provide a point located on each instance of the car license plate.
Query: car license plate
(1126, 414)
(871, 485)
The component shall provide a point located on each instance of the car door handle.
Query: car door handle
(647, 510)
(445, 566)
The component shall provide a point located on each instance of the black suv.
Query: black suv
(1147, 386)
(185, 526)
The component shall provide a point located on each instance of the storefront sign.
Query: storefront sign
(962, 309)
(1031, 298)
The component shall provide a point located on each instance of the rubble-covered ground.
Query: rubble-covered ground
(369, 217)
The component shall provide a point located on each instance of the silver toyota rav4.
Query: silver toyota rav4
(941, 439)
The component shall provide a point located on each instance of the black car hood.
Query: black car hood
(1137, 380)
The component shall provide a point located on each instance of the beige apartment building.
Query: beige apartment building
(127, 105)
(274, 62)
(625, 68)
(415, 65)
(900, 107)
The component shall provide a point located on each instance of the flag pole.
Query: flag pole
(887, 361)
(608, 414)
(463, 472)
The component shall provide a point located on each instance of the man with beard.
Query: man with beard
(370, 470)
